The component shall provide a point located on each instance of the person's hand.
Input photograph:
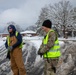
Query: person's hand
(10, 48)
(8, 55)
(40, 53)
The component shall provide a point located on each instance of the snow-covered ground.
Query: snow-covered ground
(2, 41)
(68, 39)
(37, 40)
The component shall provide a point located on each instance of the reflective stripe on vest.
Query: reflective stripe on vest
(8, 40)
(55, 50)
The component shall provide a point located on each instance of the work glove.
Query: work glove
(40, 53)
(8, 55)
(10, 48)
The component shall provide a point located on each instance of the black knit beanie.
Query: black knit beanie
(47, 23)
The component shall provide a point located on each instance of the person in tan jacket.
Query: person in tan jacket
(14, 46)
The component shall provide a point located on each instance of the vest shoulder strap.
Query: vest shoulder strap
(55, 33)
(16, 34)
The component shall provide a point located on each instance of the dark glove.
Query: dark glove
(8, 55)
(40, 53)
(54, 68)
(10, 48)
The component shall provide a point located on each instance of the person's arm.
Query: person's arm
(19, 41)
(51, 40)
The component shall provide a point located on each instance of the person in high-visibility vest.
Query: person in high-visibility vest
(14, 47)
(49, 49)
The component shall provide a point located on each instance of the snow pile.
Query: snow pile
(2, 41)
(34, 63)
(67, 63)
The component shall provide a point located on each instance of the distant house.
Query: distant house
(28, 33)
(25, 33)
(3, 34)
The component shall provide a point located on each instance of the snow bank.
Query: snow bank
(1, 43)
(38, 40)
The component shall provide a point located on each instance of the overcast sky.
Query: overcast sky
(23, 12)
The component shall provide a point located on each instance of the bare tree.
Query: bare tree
(43, 16)
(61, 15)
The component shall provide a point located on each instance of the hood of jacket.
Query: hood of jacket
(13, 28)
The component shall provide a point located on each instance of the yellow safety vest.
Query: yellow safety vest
(8, 40)
(55, 50)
